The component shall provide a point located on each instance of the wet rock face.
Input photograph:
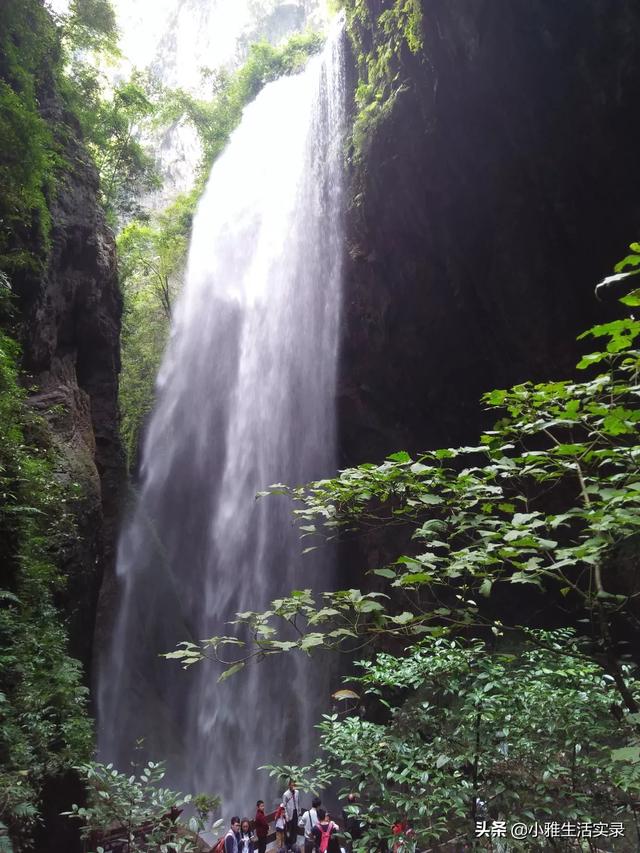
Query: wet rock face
(71, 349)
(495, 194)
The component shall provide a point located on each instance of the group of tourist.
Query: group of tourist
(320, 832)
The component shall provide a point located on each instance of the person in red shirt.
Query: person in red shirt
(261, 826)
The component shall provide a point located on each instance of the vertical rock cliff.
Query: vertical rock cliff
(496, 185)
(62, 470)
(71, 344)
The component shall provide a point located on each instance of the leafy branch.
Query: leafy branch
(547, 499)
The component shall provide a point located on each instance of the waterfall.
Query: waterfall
(245, 399)
(176, 40)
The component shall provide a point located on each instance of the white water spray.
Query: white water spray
(246, 399)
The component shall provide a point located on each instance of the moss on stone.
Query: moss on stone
(379, 38)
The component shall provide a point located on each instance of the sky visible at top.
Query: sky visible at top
(180, 38)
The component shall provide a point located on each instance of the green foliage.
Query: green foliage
(547, 499)
(112, 120)
(216, 118)
(632, 299)
(151, 261)
(125, 805)
(380, 40)
(28, 47)
(90, 25)
(44, 729)
(112, 128)
(470, 731)
(41, 55)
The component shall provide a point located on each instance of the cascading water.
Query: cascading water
(245, 399)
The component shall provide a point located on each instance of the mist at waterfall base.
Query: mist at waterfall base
(245, 399)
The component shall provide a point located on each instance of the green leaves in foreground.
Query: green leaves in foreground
(546, 499)
(123, 805)
(461, 729)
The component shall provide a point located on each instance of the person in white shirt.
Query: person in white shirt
(291, 800)
(309, 820)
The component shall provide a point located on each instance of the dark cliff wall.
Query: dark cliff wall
(498, 187)
(71, 343)
(62, 472)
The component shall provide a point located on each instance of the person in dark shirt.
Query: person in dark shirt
(232, 837)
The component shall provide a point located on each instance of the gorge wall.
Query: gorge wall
(490, 195)
(70, 333)
(61, 465)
